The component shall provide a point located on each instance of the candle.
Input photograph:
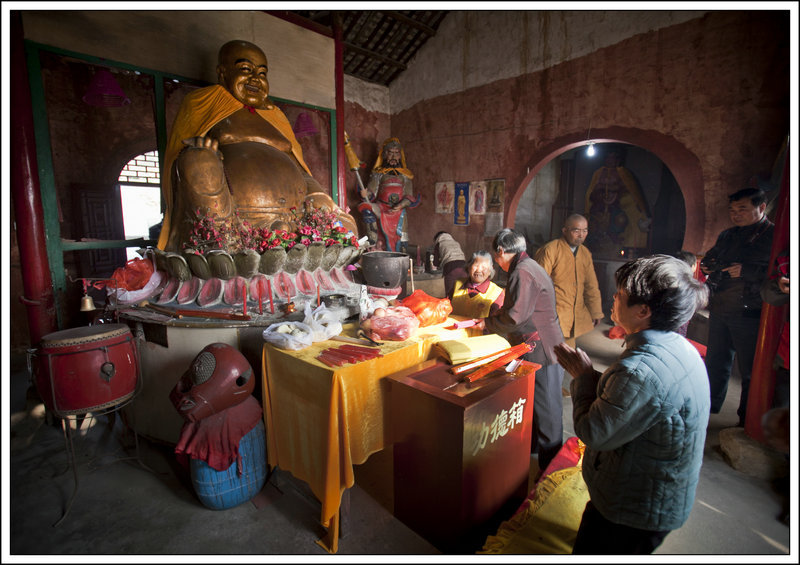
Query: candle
(244, 298)
(260, 299)
(269, 291)
(317, 295)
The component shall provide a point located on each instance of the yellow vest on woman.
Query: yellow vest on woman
(476, 306)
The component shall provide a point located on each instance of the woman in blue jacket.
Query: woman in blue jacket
(644, 419)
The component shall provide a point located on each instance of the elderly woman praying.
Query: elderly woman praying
(644, 419)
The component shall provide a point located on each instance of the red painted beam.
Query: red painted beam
(341, 165)
(37, 282)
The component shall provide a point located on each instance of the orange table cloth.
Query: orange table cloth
(321, 420)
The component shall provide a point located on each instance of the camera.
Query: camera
(713, 265)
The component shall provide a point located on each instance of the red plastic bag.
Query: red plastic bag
(134, 275)
(428, 309)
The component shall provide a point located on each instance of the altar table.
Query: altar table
(321, 420)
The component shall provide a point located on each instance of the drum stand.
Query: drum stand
(70, 447)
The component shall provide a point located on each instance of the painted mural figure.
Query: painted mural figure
(479, 201)
(387, 196)
(616, 208)
(462, 207)
(232, 151)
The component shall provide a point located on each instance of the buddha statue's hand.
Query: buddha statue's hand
(200, 171)
(204, 142)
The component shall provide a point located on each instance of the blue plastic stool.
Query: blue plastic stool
(220, 490)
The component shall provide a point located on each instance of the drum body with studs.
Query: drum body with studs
(86, 369)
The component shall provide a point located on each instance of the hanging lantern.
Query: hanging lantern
(105, 91)
(303, 126)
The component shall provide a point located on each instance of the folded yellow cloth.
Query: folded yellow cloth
(469, 348)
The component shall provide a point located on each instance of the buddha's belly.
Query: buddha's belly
(265, 182)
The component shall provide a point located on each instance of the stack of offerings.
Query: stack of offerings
(223, 435)
(346, 354)
(476, 357)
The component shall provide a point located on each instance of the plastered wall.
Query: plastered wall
(186, 43)
(709, 96)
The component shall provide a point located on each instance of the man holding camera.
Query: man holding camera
(736, 267)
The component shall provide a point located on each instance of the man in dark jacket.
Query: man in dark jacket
(736, 267)
(529, 315)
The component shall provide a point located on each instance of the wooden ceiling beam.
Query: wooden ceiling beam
(410, 21)
(373, 54)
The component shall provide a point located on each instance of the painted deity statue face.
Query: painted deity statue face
(575, 231)
(243, 70)
(392, 156)
(479, 270)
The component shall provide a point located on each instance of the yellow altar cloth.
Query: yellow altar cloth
(321, 420)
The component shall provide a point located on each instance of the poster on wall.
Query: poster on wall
(461, 211)
(494, 223)
(445, 195)
(495, 194)
(477, 198)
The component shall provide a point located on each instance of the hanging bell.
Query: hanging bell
(87, 304)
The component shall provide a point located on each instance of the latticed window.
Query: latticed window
(142, 169)
(140, 195)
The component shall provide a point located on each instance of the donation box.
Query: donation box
(461, 450)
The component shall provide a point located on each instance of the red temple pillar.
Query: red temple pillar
(762, 380)
(36, 279)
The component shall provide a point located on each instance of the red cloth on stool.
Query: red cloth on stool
(215, 439)
(617, 332)
(701, 349)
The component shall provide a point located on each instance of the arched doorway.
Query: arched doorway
(665, 175)
(571, 183)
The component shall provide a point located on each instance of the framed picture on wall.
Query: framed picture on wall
(495, 194)
(445, 196)
(477, 198)
(461, 206)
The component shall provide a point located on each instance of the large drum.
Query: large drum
(86, 369)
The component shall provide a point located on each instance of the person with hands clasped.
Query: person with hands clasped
(644, 419)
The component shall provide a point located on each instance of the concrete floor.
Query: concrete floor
(122, 508)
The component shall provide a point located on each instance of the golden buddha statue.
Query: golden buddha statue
(232, 151)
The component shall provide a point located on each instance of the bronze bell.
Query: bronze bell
(87, 304)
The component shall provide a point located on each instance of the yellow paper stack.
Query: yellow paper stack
(469, 348)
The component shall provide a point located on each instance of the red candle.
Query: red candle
(317, 295)
(260, 307)
(244, 298)
(269, 291)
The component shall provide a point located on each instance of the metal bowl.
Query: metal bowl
(385, 269)
(334, 300)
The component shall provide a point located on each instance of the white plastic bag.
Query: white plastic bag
(324, 322)
(289, 335)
